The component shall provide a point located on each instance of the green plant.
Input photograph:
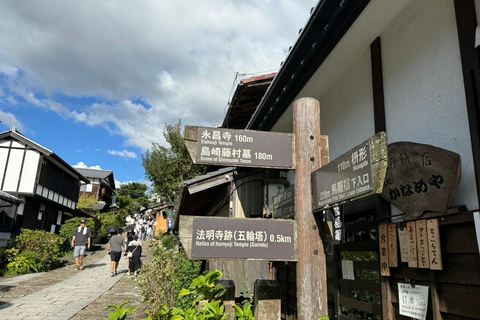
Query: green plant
(164, 277)
(23, 263)
(204, 287)
(245, 313)
(120, 313)
(45, 245)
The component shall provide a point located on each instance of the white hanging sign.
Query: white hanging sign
(413, 300)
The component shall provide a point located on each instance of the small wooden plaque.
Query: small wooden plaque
(392, 245)
(434, 248)
(412, 245)
(422, 244)
(403, 240)
(383, 244)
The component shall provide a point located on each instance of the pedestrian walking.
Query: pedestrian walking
(116, 248)
(80, 241)
(134, 263)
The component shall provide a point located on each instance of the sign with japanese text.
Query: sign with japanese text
(422, 244)
(352, 175)
(284, 204)
(420, 178)
(435, 252)
(218, 146)
(412, 245)
(334, 218)
(229, 238)
(413, 301)
(383, 243)
(392, 245)
(403, 241)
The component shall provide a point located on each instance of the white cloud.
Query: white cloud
(168, 60)
(124, 154)
(10, 120)
(84, 166)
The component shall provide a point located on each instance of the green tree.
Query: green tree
(87, 203)
(167, 168)
(132, 190)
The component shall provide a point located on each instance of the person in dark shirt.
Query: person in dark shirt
(80, 241)
(116, 248)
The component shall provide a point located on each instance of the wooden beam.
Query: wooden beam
(311, 266)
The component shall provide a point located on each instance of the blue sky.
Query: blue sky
(96, 81)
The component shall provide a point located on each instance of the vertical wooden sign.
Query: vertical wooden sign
(392, 245)
(412, 245)
(422, 244)
(383, 245)
(403, 241)
(435, 252)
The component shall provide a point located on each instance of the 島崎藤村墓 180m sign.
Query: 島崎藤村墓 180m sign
(216, 146)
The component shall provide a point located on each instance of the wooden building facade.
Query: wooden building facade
(411, 69)
(47, 186)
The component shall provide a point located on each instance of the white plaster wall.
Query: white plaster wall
(13, 170)
(424, 92)
(29, 171)
(346, 108)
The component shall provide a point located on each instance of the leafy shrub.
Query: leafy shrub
(25, 262)
(207, 302)
(169, 271)
(3, 260)
(69, 227)
(47, 246)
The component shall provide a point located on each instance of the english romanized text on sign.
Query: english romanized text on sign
(345, 178)
(243, 238)
(218, 146)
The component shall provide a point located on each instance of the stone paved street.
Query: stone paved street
(65, 293)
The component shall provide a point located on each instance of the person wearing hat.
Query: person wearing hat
(80, 241)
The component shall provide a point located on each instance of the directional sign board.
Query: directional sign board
(229, 238)
(240, 148)
(358, 173)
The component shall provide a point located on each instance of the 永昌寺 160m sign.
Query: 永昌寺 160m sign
(240, 148)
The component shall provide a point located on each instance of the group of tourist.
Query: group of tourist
(116, 248)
